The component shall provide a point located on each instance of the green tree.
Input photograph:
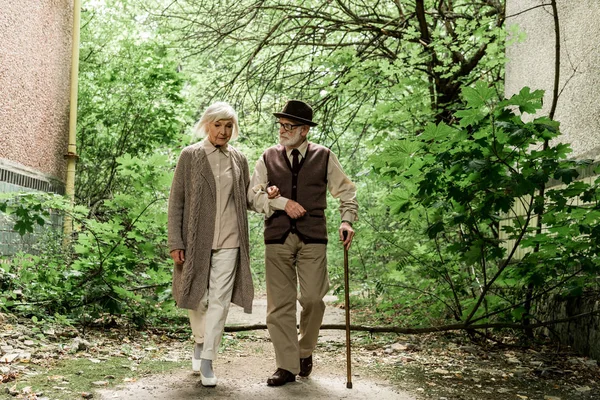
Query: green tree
(132, 97)
(349, 57)
(477, 187)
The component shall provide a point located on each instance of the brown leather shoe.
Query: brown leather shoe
(305, 366)
(281, 377)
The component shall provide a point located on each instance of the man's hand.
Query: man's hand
(178, 256)
(273, 192)
(294, 209)
(346, 227)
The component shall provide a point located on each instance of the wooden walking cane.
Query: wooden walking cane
(347, 308)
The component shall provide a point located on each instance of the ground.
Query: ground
(152, 365)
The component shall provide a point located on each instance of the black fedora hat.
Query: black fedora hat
(298, 111)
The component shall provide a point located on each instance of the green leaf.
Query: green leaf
(470, 116)
(478, 96)
(434, 229)
(438, 132)
(518, 312)
(566, 175)
(476, 165)
(527, 101)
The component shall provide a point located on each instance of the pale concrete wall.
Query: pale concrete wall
(35, 59)
(531, 63)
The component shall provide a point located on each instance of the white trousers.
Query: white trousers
(208, 321)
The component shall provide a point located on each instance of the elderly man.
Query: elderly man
(295, 235)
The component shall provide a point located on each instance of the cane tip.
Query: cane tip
(349, 385)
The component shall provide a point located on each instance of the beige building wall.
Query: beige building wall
(531, 63)
(35, 59)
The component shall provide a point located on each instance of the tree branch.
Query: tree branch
(431, 329)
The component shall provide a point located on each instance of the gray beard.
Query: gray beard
(296, 139)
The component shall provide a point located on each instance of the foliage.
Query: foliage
(133, 107)
(374, 72)
(132, 98)
(397, 62)
(25, 211)
(450, 187)
(117, 266)
(477, 185)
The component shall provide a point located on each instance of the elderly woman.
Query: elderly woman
(208, 233)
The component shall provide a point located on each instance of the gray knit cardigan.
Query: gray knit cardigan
(192, 209)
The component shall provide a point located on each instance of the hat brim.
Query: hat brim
(295, 118)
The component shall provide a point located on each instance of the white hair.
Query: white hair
(215, 112)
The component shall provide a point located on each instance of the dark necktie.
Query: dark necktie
(295, 160)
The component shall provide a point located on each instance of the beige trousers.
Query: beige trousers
(208, 321)
(289, 266)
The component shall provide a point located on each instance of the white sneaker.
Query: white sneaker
(195, 363)
(208, 382)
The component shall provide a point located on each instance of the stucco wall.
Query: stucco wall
(531, 63)
(35, 59)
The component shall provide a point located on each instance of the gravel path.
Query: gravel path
(243, 371)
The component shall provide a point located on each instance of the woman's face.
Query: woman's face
(219, 132)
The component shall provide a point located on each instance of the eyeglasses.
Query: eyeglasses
(286, 127)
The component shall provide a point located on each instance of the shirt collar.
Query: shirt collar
(302, 149)
(210, 148)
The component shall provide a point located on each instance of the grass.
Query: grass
(118, 360)
(68, 379)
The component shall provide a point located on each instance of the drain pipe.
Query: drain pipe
(71, 155)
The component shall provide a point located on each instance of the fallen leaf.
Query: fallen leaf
(9, 377)
(8, 358)
(441, 371)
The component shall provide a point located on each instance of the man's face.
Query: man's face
(293, 137)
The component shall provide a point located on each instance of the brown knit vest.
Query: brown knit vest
(309, 188)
